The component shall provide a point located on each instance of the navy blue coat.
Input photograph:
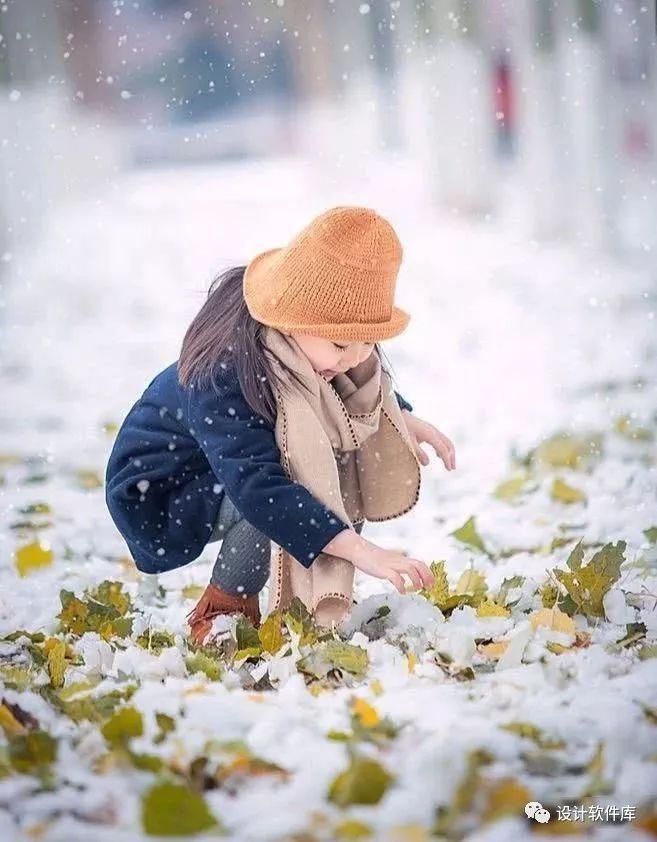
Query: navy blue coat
(176, 452)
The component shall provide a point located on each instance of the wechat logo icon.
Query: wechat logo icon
(535, 810)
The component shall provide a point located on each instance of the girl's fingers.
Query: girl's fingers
(452, 451)
(422, 455)
(444, 448)
(413, 574)
(396, 580)
(425, 573)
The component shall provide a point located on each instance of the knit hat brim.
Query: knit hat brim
(255, 285)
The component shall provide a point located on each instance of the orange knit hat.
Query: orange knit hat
(335, 279)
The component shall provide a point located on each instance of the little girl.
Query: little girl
(278, 425)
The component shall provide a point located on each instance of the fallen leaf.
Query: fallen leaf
(32, 556)
(365, 781)
(554, 619)
(467, 534)
(170, 809)
(367, 715)
(490, 608)
(564, 493)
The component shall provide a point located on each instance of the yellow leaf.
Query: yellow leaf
(411, 657)
(495, 649)
(8, 722)
(376, 687)
(490, 608)
(89, 479)
(352, 829)
(565, 450)
(365, 713)
(32, 556)
(506, 797)
(511, 488)
(564, 493)
(552, 618)
(110, 427)
(627, 428)
(271, 633)
(192, 592)
(409, 833)
(55, 650)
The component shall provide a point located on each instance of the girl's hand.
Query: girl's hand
(421, 431)
(391, 565)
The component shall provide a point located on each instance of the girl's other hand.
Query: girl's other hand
(421, 432)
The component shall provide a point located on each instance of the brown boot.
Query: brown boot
(213, 602)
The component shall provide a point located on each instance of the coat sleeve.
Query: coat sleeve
(403, 403)
(242, 451)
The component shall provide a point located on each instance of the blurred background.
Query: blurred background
(494, 101)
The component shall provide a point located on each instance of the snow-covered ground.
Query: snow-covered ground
(510, 342)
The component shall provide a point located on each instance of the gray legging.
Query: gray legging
(242, 566)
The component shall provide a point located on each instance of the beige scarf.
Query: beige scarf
(347, 442)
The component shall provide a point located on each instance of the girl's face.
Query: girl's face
(330, 357)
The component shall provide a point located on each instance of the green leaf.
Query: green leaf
(467, 534)
(90, 708)
(300, 621)
(126, 723)
(201, 662)
(111, 593)
(166, 724)
(103, 610)
(365, 781)
(648, 650)
(587, 585)
(156, 641)
(507, 585)
(147, 762)
(17, 678)
(471, 583)
(32, 752)
(169, 809)
(532, 732)
(246, 634)
(651, 534)
(344, 656)
(331, 655)
(564, 493)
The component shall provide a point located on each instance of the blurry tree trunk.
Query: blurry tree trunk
(461, 128)
(541, 147)
(31, 49)
(630, 138)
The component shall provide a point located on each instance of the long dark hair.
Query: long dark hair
(225, 333)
